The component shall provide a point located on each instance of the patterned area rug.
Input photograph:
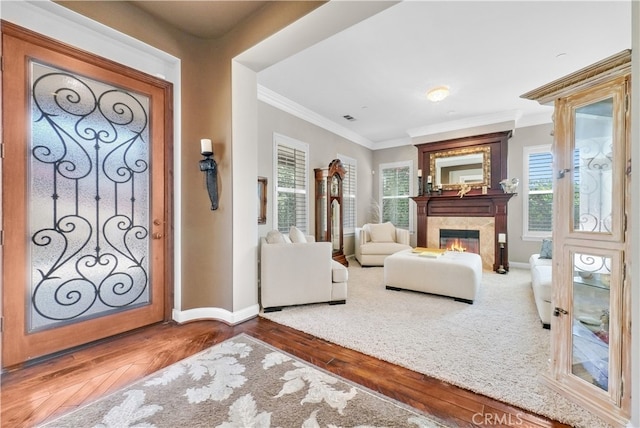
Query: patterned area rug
(243, 382)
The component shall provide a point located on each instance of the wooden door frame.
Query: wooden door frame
(167, 89)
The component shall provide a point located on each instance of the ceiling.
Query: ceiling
(203, 19)
(377, 71)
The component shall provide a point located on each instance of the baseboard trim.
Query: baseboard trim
(519, 265)
(217, 314)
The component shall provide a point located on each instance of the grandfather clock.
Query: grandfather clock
(329, 224)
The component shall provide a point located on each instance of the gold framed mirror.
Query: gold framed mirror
(453, 168)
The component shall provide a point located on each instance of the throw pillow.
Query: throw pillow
(546, 249)
(384, 232)
(296, 235)
(275, 237)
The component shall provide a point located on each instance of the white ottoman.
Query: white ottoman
(454, 274)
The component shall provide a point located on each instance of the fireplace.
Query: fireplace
(483, 208)
(460, 240)
(486, 213)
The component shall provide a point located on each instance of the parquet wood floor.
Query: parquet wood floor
(57, 385)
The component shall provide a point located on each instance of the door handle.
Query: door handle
(157, 235)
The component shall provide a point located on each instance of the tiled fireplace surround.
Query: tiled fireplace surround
(485, 213)
(485, 225)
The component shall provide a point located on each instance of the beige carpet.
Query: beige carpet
(240, 383)
(495, 347)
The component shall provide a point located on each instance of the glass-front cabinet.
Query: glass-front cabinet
(590, 332)
(329, 208)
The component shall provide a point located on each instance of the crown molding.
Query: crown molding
(388, 144)
(285, 104)
(535, 119)
(508, 117)
(615, 65)
(469, 126)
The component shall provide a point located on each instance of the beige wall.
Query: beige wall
(519, 249)
(206, 113)
(323, 147)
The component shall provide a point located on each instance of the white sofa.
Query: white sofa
(542, 290)
(300, 273)
(374, 242)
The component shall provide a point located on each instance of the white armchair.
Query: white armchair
(374, 242)
(300, 273)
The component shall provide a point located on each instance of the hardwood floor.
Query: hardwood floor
(36, 393)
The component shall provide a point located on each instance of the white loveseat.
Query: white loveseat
(374, 242)
(542, 289)
(300, 273)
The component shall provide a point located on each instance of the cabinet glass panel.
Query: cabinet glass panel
(593, 167)
(590, 328)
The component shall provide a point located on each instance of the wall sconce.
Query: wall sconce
(210, 168)
(502, 239)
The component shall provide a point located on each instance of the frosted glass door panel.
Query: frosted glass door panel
(89, 204)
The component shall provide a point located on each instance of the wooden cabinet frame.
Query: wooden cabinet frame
(607, 79)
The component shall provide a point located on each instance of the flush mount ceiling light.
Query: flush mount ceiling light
(438, 93)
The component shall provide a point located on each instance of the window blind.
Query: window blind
(540, 192)
(349, 188)
(395, 195)
(291, 188)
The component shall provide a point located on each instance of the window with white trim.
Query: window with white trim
(291, 161)
(538, 191)
(349, 188)
(396, 188)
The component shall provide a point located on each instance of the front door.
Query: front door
(83, 194)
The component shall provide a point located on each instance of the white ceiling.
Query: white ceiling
(378, 71)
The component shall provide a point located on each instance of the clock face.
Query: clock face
(335, 186)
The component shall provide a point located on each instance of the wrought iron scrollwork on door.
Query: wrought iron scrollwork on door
(89, 208)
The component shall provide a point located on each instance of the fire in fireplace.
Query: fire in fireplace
(460, 240)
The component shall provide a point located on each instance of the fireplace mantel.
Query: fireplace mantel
(490, 205)
(482, 201)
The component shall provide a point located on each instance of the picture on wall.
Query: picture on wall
(262, 200)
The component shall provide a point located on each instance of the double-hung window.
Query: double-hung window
(349, 187)
(291, 161)
(538, 189)
(396, 188)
